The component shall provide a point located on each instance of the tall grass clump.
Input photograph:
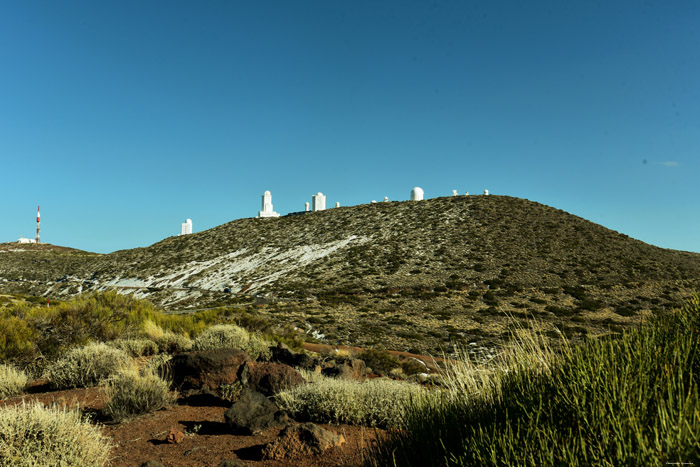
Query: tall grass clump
(130, 393)
(378, 402)
(627, 400)
(12, 381)
(37, 436)
(86, 366)
(231, 336)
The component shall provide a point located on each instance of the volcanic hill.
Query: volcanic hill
(407, 275)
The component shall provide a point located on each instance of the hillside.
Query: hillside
(391, 273)
(33, 268)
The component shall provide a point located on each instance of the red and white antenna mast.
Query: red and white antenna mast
(38, 220)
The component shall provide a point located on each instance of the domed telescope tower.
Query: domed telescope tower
(417, 194)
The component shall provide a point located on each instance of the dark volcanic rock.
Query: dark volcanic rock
(207, 369)
(252, 413)
(269, 378)
(353, 369)
(283, 354)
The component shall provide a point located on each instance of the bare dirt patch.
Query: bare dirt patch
(206, 441)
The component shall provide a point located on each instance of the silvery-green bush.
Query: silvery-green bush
(230, 336)
(86, 366)
(378, 402)
(38, 436)
(12, 381)
(130, 393)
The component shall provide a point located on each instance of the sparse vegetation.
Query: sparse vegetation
(130, 393)
(231, 336)
(222, 336)
(166, 340)
(380, 361)
(631, 400)
(32, 435)
(378, 402)
(12, 381)
(86, 366)
(138, 347)
(516, 251)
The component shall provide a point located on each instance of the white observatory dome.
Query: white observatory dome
(417, 194)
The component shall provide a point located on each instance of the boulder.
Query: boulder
(283, 354)
(253, 413)
(352, 369)
(207, 369)
(301, 440)
(152, 463)
(269, 378)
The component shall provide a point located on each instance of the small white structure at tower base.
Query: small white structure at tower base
(267, 210)
(186, 227)
(318, 202)
(26, 240)
(337, 204)
(417, 194)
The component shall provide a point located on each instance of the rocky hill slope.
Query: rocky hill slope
(436, 265)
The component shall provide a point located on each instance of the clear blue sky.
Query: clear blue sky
(122, 119)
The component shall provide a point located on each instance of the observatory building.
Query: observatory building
(38, 223)
(417, 194)
(267, 209)
(186, 227)
(318, 202)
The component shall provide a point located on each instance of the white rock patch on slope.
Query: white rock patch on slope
(240, 268)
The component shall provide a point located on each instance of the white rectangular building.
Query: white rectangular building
(186, 227)
(318, 202)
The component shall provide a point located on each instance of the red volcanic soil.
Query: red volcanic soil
(206, 441)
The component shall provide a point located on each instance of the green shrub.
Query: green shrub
(231, 392)
(130, 394)
(12, 381)
(136, 347)
(167, 341)
(378, 402)
(381, 361)
(36, 436)
(17, 338)
(628, 400)
(86, 366)
(171, 342)
(412, 366)
(258, 348)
